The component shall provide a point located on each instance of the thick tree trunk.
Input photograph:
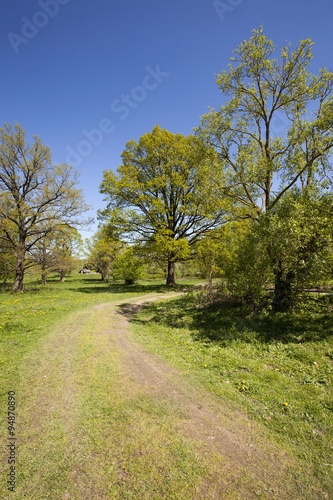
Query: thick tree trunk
(106, 277)
(19, 272)
(283, 288)
(171, 276)
(18, 283)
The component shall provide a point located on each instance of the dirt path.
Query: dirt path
(103, 418)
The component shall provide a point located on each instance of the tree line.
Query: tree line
(248, 195)
(251, 201)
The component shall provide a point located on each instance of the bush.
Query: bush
(128, 267)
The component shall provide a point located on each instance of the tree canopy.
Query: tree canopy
(102, 250)
(157, 195)
(256, 166)
(36, 197)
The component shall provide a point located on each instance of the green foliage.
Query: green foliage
(57, 251)
(170, 249)
(257, 167)
(236, 253)
(102, 250)
(209, 254)
(158, 195)
(36, 197)
(298, 238)
(128, 267)
(7, 263)
(246, 263)
(254, 162)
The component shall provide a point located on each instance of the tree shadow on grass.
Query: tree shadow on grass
(224, 324)
(114, 288)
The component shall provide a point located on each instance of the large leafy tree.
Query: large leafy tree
(36, 197)
(256, 165)
(158, 195)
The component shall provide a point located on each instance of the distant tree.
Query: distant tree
(102, 250)
(57, 251)
(128, 266)
(37, 197)
(158, 195)
(44, 255)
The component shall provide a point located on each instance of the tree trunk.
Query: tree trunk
(283, 290)
(19, 272)
(106, 277)
(62, 276)
(171, 278)
(44, 273)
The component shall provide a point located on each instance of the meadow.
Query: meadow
(274, 367)
(26, 317)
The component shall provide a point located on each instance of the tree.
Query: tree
(66, 261)
(244, 262)
(7, 263)
(165, 251)
(255, 167)
(297, 235)
(158, 195)
(128, 266)
(209, 253)
(102, 251)
(44, 255)
(37, 197)
(57, 251)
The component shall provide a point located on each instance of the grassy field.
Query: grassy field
(67, 423)
(25, 317)
(277, 367)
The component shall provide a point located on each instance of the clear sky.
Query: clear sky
(89, 75)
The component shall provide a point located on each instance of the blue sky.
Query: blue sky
(88, 76)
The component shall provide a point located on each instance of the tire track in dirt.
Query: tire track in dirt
(249, 466)
(205, 421)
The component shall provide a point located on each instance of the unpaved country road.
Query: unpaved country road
(102, 418)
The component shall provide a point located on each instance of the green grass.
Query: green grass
(25, 317)
(276, 367)
(81, 426)
(78, 416)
